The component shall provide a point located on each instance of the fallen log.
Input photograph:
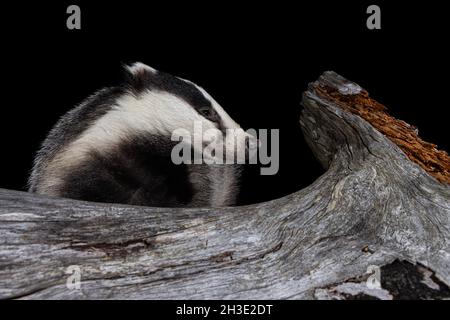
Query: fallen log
(383, 202)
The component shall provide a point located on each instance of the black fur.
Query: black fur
(131, 174)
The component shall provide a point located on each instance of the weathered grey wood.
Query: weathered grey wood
(372, 206)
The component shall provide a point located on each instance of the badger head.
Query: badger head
(170, 105)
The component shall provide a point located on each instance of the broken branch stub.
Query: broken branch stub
(376, 203)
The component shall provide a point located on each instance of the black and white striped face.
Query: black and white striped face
(178, 101)
(164, 103)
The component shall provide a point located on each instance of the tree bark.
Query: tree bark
(381, 202)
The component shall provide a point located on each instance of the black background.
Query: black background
(254, 59)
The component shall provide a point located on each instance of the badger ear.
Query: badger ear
(137, 69)
(139, 76)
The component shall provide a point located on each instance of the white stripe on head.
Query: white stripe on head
(227, 121)
(236, 138)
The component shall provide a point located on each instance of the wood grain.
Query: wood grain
(374, 205)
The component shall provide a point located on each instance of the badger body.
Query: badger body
(116, 146)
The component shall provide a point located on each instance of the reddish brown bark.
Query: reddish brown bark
(435, 162)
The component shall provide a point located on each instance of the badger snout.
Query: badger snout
(242, 142)
(234, 145)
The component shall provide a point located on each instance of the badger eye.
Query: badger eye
(206, 112)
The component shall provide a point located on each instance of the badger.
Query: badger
(115, 147)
